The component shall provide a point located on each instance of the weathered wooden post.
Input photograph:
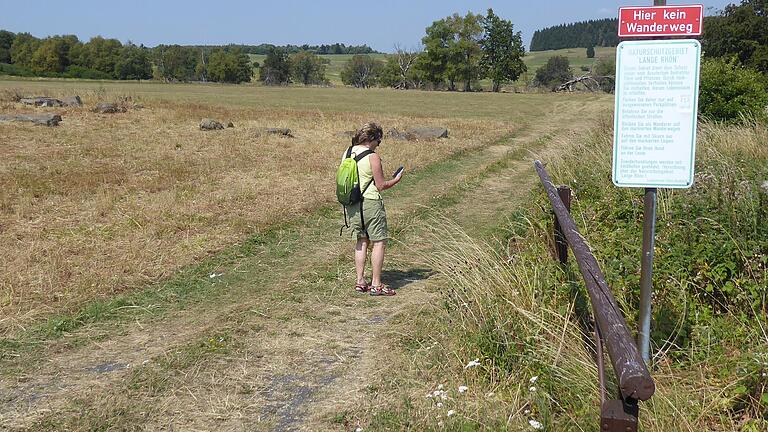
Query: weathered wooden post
(561, 245)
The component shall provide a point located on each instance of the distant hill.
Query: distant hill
(581, 34)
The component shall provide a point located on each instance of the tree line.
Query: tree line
(583, 34)
(262, 49)
(101, 58)
(458, 52)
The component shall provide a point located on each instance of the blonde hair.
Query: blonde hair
(369, 132)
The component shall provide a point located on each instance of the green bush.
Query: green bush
(15, 70)
(729, 92)
(85, 73)
(556, 71)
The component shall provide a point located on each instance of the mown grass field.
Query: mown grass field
(108, 203)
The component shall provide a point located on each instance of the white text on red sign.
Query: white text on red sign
(649, 21)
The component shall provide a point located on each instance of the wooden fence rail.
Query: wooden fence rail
(634, 379)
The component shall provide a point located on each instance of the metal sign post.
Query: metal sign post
(657, 85)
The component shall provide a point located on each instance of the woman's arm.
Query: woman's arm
(378, 174)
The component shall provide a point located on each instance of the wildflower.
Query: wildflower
(532, 388)
(533, 379)
(440, 387)
(534, 424)
(359, 429)
(526, 412)
(462, 389)
(473, 363)
(451, 412)
(439, 404)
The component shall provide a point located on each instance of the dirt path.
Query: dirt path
(273, 350)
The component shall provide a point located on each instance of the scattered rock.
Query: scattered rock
(108, 108)
(285, 132)
(210, 124)
(765, 186)
(396, 134)
(38, 119)
(418, 133)
(42, 101)
(72, 101)
(230, 125)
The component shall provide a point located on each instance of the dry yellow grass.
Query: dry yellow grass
(108, 203)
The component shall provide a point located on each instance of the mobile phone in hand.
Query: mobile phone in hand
(399, 170)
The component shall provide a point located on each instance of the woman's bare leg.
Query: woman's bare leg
(377, 261)
(361, 255)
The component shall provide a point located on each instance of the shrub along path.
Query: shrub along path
(269, 336)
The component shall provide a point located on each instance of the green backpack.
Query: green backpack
(348, 190)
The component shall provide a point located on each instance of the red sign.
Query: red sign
(648, 21)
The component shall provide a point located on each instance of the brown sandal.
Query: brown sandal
(382, 290)
(362, 288)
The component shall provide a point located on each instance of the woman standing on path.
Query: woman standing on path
(373, 231)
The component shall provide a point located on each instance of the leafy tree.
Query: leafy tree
(503, 51)
(175, 62)
(452, 51)
(466, 51)
(276, 69)
(361, 71)
(556, 71)
(98, 54)
(6, 40)
(52, 55)
(728, 91)
(433, 63)
(23, 47)
(590, 51)
(308, 68)
(134, 63)
(231, 67)
(740, 31)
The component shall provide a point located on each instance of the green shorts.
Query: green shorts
(375, 220)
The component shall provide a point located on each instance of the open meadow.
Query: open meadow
(157, 275)
(104, 203)
(138, 249)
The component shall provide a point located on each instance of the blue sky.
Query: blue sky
(380, 24)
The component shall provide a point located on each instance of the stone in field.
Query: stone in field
(418, 133)
(210, 124)
(42, 101)
(230, 125)
(765, 186)
(109, 108)
(72, 101)
(38, 119)
(285, 132)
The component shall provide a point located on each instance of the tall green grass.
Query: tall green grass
(507, 303)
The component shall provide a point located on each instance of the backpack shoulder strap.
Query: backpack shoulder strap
(349, 152)
(360, 157)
